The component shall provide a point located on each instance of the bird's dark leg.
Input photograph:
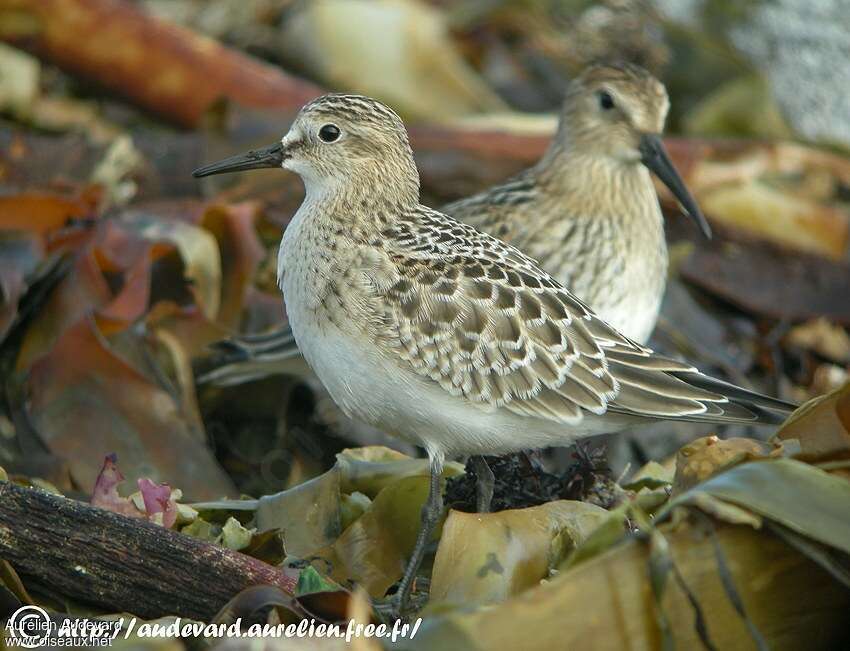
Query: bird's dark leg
(484, 485)
(431, 511)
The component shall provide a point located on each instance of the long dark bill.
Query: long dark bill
(271, 156)
(655, 157)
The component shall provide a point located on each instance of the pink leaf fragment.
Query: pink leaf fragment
(105, 493)
(156, 497)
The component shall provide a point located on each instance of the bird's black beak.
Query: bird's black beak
(655, 157)
(271, 156)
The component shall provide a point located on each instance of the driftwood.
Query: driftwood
(171, 71)
(122, 564)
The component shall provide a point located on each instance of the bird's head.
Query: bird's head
(616, 113)
(338, 141)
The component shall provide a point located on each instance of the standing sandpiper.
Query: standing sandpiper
(587, 212)
(423, 326)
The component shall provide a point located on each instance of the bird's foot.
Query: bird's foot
(389, 609)
(393, 608)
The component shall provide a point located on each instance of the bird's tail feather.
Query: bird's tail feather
(736, 393)
(277, 344)
(655, 387)
(249, 357)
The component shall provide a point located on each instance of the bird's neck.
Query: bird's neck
(628, 199)
(335, 219)
(606, 237)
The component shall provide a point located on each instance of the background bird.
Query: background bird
(586, 212)
(430, 329)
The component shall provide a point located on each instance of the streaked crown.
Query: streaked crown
(351, 138)
(609, 106)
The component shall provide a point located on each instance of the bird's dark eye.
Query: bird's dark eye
(329, 133)
(605, 100)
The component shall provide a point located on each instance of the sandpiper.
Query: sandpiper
(423, 326)
(587, 212)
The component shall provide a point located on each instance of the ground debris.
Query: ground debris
(522, 481)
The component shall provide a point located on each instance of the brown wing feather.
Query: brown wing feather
(483, 321)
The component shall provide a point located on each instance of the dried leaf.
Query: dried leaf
(234, 535)
(198, 250)
(20, 254)
(822, 427)
(487, 557)
(824, 338)
(268, 546)
(81, 292)
(370, 469)
(651, 475)
(85, 400)
(608, 599)
(241, 253)
(373, 550)
(164, 68)
(790, 220)
(308, 514)
(708, 455)
(41, 212)
(798, 496)
(380, 48)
